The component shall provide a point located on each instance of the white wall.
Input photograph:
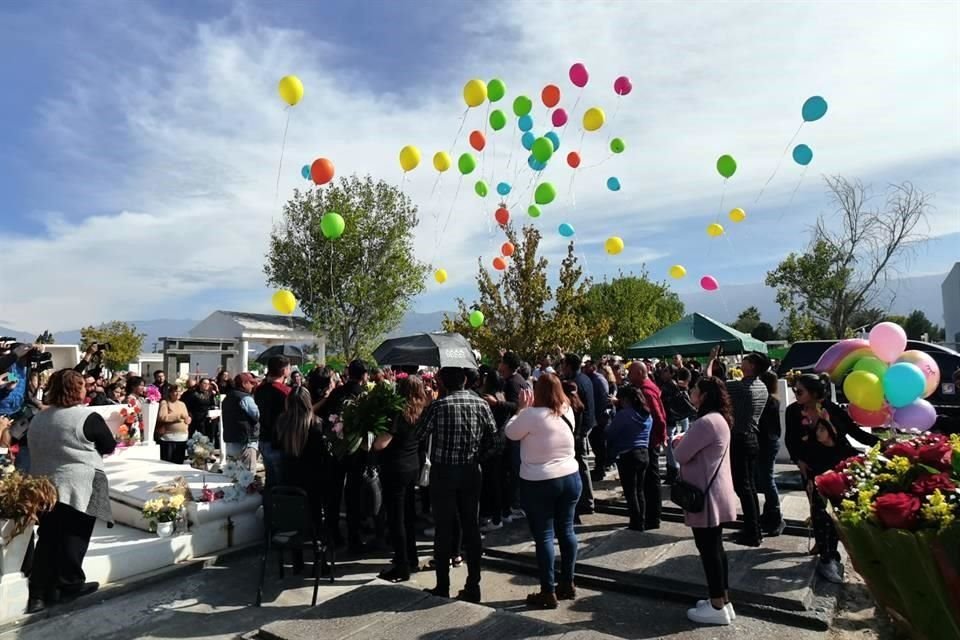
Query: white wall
(951, 305)
(217, 325)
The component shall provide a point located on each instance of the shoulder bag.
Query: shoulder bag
(691, 498)
(425, 469)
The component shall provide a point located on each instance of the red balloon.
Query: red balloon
(321, 171)
(550, 96)
(559, 117)
(502, 216)
(573, 159)
(477, 141)
(499, 263)
(507, 249)
(869, 418)
(622, 86)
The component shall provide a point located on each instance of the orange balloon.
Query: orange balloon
(507, 249)
(477, 141)
(502, 216)
(499, 263)
(550, 96)
(573, 159)
(321, 171)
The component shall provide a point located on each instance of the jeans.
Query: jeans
(272, 463)
(550, 506)
(402, 516)
(586, 494)
(651, 490)
(244, 454)
(680, 427)
(766, 464)
(174, 452)
(598, 444)
(744, 450)
(632, 466)
(63, 538)
(455, 491)
(709, 541)
(22, 462)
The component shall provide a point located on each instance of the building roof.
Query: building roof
(268, 322)
(256, 327)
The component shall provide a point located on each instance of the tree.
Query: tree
(45, 338)
(358, 286)
(124, 339)
(748, 320)
(844, 271)
(568, 326)
(764, 331)
(916, 324)
(866, 318)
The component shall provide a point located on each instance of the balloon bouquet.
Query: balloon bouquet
(884, 383)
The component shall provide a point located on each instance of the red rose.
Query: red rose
(937, 454)
(843, 464)
(832, 484)
(897, 510)
(928, 483)
(905, 449)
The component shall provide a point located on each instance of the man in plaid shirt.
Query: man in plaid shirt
(461, 429)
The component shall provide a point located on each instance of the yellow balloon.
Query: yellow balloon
(441, 161)
(291, 89)
(475, 93)
(594, 118)
(738, 215)
(284, 302)
(409, 157)
(715, 230)
(440, 275)
(677, 271)
(613, 245)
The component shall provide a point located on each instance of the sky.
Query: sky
(142, 140)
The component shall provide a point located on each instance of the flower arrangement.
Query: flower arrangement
(130, 428)
(153, 394)
(200, 450)
(163, 509)
(23, 498)
(368, 414)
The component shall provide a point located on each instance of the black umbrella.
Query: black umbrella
(294, 354)
(427, 350)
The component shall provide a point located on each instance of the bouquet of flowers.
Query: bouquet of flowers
(129, 431)
(163, 509)
(153, 394)
(23, 497)
(200, 450)
(896, 509)
(369, 414)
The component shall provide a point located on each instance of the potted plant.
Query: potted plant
(367, 415)
(162, 513)
(22, 499)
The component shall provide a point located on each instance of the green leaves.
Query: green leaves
(125, 343)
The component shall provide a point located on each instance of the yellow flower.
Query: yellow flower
(899, 465)
(176, 501)
(955, 443)
(938, 510)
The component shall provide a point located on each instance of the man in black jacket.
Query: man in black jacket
(241, 422)
(587, 421)
(511, 386)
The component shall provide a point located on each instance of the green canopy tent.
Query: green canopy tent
(694, 335)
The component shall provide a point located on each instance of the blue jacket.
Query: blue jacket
(13, 401)
(629, 430)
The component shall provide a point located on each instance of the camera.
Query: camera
(103, 346)
(39, 361)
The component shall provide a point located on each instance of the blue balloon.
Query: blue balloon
(903, 383)
(535, 164)
(554, 138)
(813, 109)
(525, 122)
(613, 184)
(566, 230)
(503, 188)
(305, 171)
(802, 154)
(527, 140)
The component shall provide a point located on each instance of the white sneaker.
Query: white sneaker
(728, 607)
(709, 615)
(491, 526)
(830, 571)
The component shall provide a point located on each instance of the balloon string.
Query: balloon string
(572, 111)
(463, 121)
(513, 143)
(616, 110)
(453, 204)
(570, 192)
(798, 186)
(779, 162)
(723, 194)
(283, 145)
(483, 153)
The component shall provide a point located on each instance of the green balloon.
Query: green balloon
(481, 188)
(876, 366)
(496, 89)
(542, 149)
(332, 225)
(497, 119)
(522, 106)
(476, 318)
(726, 166)
(467, 163)
(545, 193)
(533, 211)
(617, 145)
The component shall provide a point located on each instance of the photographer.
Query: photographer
(19, 365)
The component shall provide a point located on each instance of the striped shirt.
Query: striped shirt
(462, 427)
(748, 397)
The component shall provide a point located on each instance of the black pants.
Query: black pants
(334, 472)
(651, 490)
(491, 495)
(455, 491)
(598, 444)
(174, 452)
(585, 505)
(510, 465)
(63, 538)
(824, 531)
(632, 466)
(709, 541)
(362, 492)
(744, 450)
(398, 489)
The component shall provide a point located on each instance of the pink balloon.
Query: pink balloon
(888, 340)
(622, 86)
(919, 415)
(559, 118)
(579, 75)
(709, 283)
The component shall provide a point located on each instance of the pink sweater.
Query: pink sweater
(698, 453)
(546, 443)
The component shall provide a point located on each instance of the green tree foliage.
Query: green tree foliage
(45, 338)
(125, 343)
(764, 331)
(571, 327)
(748, 320)
(358, 286)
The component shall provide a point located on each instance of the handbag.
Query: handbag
(692, 498)
(425, 469)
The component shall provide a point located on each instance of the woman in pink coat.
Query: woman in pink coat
(704, 457)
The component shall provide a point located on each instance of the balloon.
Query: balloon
(507, 249)
(726, 166)
(527, 140)
(498, 120)
(291, 91)
(503, 188)
(496, 89)
(558, 118)
(677, 271)
(888, 340)
(545, 193)
(613, 245)
(876, 366)
(284, 302)
(467, 163)
(499, 263)
(617, 145)
(481, 188)
(476, 318)
(502, 216)
(709, 283)
(927, 365)
(869, 418)
(839, 359)
(573, 159)
(533, 211)
(321, 171)
(714, 230)
(441, 161)
(440, 275)
(477, 141)
(903, 384)
(332, 225)
(579, 75)
(305, 171)
(553, 138)
(864, 389)
(613, 184)
(474, 93)
(525, 122)
(409, 158)
(550, 96)
(522, 105)
(566, 229)
(622, 86)
(802, 154)
(542, 149)
(737, 215)
(593, 118)
(535, 164)
(813, 109)
(919, 415)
